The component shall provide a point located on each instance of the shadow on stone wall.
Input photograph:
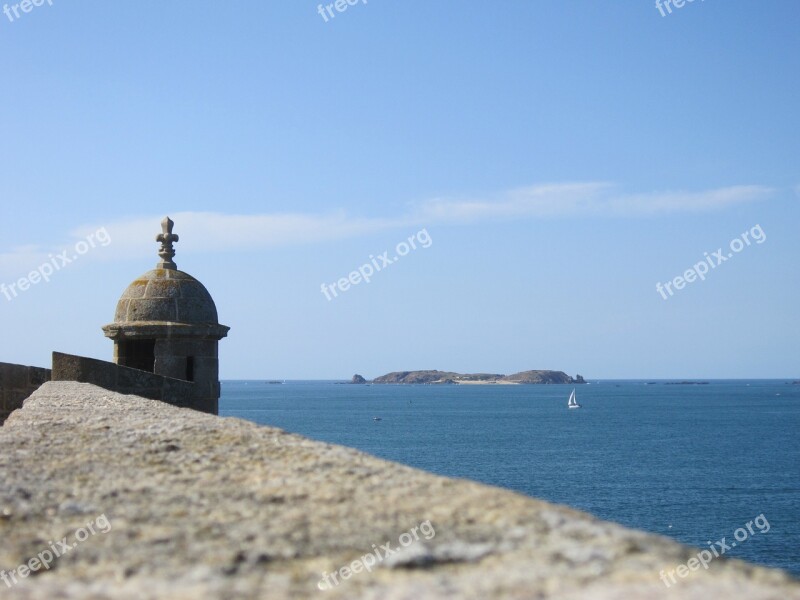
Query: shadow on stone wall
(17, 382)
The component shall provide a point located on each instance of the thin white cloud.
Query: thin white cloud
(231, 232)
(26, 258)
(217, 231)
(550, 200)
(198, 231)
(690, 202)
(587, 200)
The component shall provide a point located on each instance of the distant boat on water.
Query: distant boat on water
(572, 402)
(377, 419)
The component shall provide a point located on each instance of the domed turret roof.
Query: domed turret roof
(166, 295)
(165, 301)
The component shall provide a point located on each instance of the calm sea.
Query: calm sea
(693, 462)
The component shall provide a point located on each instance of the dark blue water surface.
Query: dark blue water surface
(703, 459)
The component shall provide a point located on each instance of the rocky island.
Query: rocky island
(449, 377)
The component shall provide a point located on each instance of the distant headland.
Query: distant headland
(449, 377)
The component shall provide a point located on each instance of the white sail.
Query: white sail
(573, 402)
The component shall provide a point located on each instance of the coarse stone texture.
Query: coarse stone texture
(207, 507)
(166, 295)
(117, 378)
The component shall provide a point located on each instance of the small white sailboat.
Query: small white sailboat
(573, 403)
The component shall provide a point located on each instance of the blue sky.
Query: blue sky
(563, 157)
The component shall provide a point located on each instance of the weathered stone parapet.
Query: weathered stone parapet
(125, 380)
(207, 507)
(17, 382)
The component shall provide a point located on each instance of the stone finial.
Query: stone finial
(167, 238)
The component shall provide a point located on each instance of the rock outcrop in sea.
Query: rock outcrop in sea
(436, 377)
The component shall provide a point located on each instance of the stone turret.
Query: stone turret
(166, 323)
